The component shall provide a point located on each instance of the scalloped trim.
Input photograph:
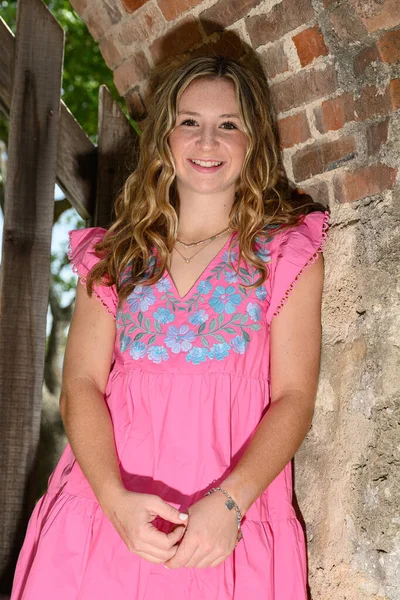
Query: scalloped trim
(311, 260)
(82, 278)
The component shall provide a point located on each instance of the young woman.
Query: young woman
(189, 387)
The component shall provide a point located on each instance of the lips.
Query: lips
(205, 166)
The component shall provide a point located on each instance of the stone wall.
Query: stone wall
(334, 69)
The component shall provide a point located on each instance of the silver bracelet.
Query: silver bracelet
(230, 503)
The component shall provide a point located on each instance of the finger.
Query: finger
(151, 535)
(169, 512)
(176, 535)
(156, 554)
(182, 556)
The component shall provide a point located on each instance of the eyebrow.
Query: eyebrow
(195, 114)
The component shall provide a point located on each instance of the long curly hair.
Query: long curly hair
(137, 245)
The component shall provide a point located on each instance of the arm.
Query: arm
(295, 355)
(89, 429)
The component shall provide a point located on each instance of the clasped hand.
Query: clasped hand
(205, 539)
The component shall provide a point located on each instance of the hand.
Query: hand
(210, 535)
(131, 514)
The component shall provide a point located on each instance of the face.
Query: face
(208, 142)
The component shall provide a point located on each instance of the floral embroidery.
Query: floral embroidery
(225, 299)
(221, 312)
(164, 315)
(179, 339)
(142, 297)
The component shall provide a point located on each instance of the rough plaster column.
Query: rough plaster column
(334, 70)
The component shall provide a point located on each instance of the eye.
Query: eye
(229, 125)
(189, 122)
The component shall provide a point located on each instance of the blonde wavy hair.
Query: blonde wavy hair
(147, 210)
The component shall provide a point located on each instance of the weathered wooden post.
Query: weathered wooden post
(116, 158)
(29, 207)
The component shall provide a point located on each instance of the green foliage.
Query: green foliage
(84, 67)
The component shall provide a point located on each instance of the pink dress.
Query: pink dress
(188, 385)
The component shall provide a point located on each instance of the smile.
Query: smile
(205, 163)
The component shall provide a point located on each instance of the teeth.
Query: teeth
(206, 163)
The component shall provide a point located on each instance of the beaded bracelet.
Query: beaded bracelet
(230, 503)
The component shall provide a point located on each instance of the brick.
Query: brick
(305, 86)
(79, 6)
(310, 45)
(97, 20)
(379, 15)
(294, 130)
(395, 93)
(333, 114)
(274, 60)
(146, 23)
(318, 190)
(110, 53)
(364, 182)
(132, 5)
(364, 59)
(173, 9)
(131, 72)
(376, 134)
(389, 46)
(176, 40)
(111, 8)
(322, 156)
(227, 44)
(225, 13)
(372, 103)
(348, 27)
(282, 18)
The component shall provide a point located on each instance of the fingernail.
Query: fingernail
(183, 516)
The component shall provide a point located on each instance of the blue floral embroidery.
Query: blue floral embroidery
(261, 293)
(157, 354)
(219, 351)
(198, 317)
(231, 277)
(138, 350)
(141, 298)
(206, 335)
(204, 287)
(197, 355)
(239, 344)
(225, 299)
(179, 340)
(254, 311)
(163, 285)
(164, 315)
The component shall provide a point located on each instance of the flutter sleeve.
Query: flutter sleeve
(293, 250)
(83, 257)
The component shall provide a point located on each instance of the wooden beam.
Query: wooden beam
(24, 283)
(76, 153)
(117, 156)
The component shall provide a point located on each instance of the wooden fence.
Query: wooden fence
(46, 145)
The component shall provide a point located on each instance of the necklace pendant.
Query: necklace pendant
(187, 260)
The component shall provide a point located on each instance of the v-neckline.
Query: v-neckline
(203, 275)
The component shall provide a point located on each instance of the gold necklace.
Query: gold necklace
(188, 260)
(211, 238)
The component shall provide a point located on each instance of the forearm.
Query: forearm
(88, 426)
(276, 440)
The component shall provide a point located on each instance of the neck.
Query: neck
(202, 216)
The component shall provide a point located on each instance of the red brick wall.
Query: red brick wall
(334, 70)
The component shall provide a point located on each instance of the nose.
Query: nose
(207, 138)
